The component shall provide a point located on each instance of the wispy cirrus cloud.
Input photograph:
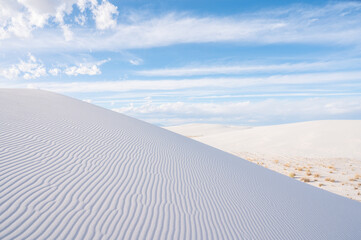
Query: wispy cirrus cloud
(242, 69)
(207, 83)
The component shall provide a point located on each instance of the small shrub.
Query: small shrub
(330, 180)
(320, 185)
(292, 175)
(316, 175)
(305, 179)
(308, 173)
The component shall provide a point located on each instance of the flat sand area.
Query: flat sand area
(325, 154)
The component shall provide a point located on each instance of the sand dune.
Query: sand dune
(71, 170)
(316, 150)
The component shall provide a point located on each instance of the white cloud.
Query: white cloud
(55, 71)
(284, 67)
(167, 85)
(83, 4)
(82, 70)
(21, 17)
(20, 26)
(68, 34)
(104, 15)
(183, 108)
(81, 19)
(32, 69)
(136, 61)
(265, 111)
(11, 72)
(179, 28)
(85, 69)
(61, 10)
(29, 69)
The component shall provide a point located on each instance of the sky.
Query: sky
(234, 62)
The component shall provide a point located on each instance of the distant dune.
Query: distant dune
(72, 170)
(331, 149)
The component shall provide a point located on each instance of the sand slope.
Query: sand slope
(71, 170)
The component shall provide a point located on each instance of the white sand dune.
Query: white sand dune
(329, 148)
(318, 139)
(71, 170)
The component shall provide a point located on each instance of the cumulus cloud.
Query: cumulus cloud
(32, 68)
(85, 69)
(20, 18)
(82, 70)
(11, 72)
(29, 69)
(54, 71)
(104, 15)
(81, 19)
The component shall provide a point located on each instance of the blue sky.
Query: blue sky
(175, 62)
